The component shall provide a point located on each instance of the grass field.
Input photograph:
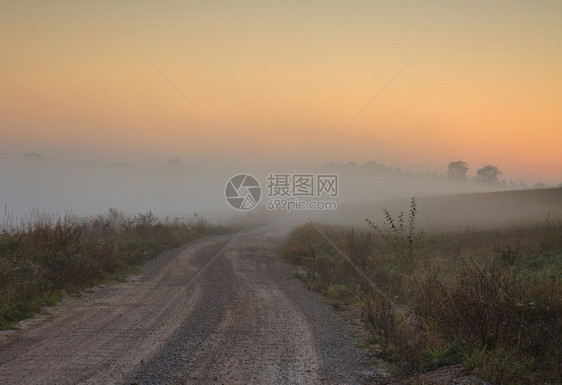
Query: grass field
(456, 212)
(43, 257)
(487, 297)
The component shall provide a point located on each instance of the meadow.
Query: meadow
(486, 297)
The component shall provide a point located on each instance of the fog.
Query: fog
(89, 188)
(147, 106)
(176, 188)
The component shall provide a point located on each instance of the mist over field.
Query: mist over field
(174, 188)
(89, 188)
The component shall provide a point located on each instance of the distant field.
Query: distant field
(459, 211)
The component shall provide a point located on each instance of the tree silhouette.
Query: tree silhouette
(457, 170)
(488, 174)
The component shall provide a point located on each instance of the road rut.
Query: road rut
(222, 309)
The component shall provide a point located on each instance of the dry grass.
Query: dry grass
(44, 256)
(490, 299)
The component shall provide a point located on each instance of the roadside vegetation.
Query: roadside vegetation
(489, 300)
(44, 257)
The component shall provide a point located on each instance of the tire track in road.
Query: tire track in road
(244, 320)
(102, 338)
(261, 326)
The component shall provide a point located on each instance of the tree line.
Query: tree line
(489, 174)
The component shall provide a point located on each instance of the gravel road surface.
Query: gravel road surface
(220, 310)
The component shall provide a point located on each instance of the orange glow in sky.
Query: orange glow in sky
(281, 79)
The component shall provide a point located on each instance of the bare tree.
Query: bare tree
(457, 170)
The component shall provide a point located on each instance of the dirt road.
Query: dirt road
(219, 310)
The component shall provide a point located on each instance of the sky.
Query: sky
(281, 79)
